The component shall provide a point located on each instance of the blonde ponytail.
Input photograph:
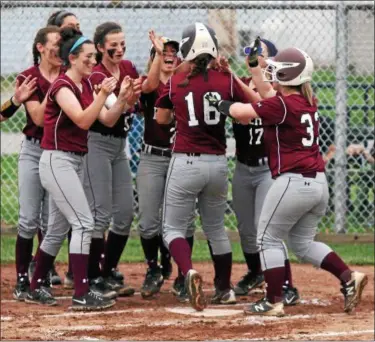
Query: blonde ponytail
(307, 93)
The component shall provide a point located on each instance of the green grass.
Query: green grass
(357, 254)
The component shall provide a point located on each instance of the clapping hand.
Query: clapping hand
(24, 91)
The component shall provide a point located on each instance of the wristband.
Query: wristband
(253, 64)
(9, 108)
(224, 106)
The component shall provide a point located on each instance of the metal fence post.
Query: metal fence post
(340, 192)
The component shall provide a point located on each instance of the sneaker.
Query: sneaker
(178, 285)
(193, 284)
(224, 297)
(54, 277)
(22, 288)
(352, 290)
(123, 289)
(264, 308)
(100, 288)
(40, 296)
(248, 282)
(91, 302)
(68, 281)
(290, 295)
(182, 296)
(31, 269)
(166, 268)
(152, 283)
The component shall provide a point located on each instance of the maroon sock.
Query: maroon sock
(44, 263)
(288, 273)
(190, 241)
(96, 248)
(253, 262)
(181, 253)
(335, 265)
(150, 249)
(113, 249)
(70, 270)
(223, 269)
(24, 250)
(79, 265)
(274, 278)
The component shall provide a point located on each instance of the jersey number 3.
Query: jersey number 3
(211, 114)
(306, 118)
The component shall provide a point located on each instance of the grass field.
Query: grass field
(356, 254)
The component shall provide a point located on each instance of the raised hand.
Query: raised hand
(126, 89)
(25, 90)
(136, 91)
(156, 42)
(108, 85)
(224, 64)
(253, 53)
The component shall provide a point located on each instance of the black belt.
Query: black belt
(32, 139)
(193, 154)
(309, 174)
(252, 161)
(161, 152)
(76, 153)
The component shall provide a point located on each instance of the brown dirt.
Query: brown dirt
(319, 317)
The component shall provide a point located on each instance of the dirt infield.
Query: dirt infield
(320, 316)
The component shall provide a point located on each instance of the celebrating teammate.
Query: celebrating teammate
(299, 195)
(71, 109)
(108, 182)
(198, 168)
(33, 215)
(63, 19)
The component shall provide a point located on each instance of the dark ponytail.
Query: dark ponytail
(58, 17)
(69, 36)
(100, 33)
(42, 37)
(201, 63)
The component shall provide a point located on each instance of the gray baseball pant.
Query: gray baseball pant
(61, 174)
(108, 184)
(249, 188)
(33, 199)
(204, 177)
(151, 178)
(292, 210)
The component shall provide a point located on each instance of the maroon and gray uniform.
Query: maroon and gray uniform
(108, 182)
(251, 180)
(33, 199)
(198, 168)
(61, 172)
(298, 197)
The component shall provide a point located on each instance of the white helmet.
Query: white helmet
(198, 39)
(290, 67)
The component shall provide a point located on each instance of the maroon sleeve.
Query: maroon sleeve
(164, 101)
(96, 78)
(272, 111)
(34, 96)
(57, 85)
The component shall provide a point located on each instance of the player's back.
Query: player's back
(200, 128)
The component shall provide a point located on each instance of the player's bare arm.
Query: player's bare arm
(164, 116)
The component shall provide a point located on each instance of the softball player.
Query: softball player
(298, 197)
(64, 19)
(108, 181)
(33, 214)
(70, 111)
(198, 168)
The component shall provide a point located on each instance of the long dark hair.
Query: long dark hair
(69, 36)
(100, 33)
(201, 63)
(42, 37)
(58, 17)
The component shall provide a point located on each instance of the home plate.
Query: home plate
(205, 312)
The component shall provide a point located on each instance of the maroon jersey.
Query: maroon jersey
(249, 138)
(291, 134)
(60, 132)
(123, 124)
(42, 86)
(155, 134)
(200, 128)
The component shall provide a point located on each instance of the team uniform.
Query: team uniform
(151, 177)
(198, 168)
(61, 174)
(109, 188)
(33, 198)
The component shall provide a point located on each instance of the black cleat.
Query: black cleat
(101, 289)
(91, 302)
(224, 297)
(152, 283)
(182, 296)
(290, 295)
(264, 308)
(248, 283)
(117, 280)
(352, 290)
(41, 296)
(22, 288)
(178, 285)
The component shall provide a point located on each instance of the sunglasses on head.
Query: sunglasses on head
(247, 50)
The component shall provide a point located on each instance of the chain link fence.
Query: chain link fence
(339, 36)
